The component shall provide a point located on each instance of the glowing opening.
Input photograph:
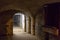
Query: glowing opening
(18, 23)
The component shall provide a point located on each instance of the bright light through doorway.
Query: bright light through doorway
(18, 29)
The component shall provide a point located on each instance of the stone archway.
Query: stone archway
(7, 21)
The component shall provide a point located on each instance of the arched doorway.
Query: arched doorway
(20, 26)
(7, 22)
(21, 18)
(18, 22)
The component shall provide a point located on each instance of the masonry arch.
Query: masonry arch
(7, 22)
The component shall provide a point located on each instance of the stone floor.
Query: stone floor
(18, 34)
(24, 36)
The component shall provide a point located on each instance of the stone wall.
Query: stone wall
(44, 33)
(38, 27)
(4, 18)
(9, 27)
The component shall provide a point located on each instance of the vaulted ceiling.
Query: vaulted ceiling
(25, 5)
